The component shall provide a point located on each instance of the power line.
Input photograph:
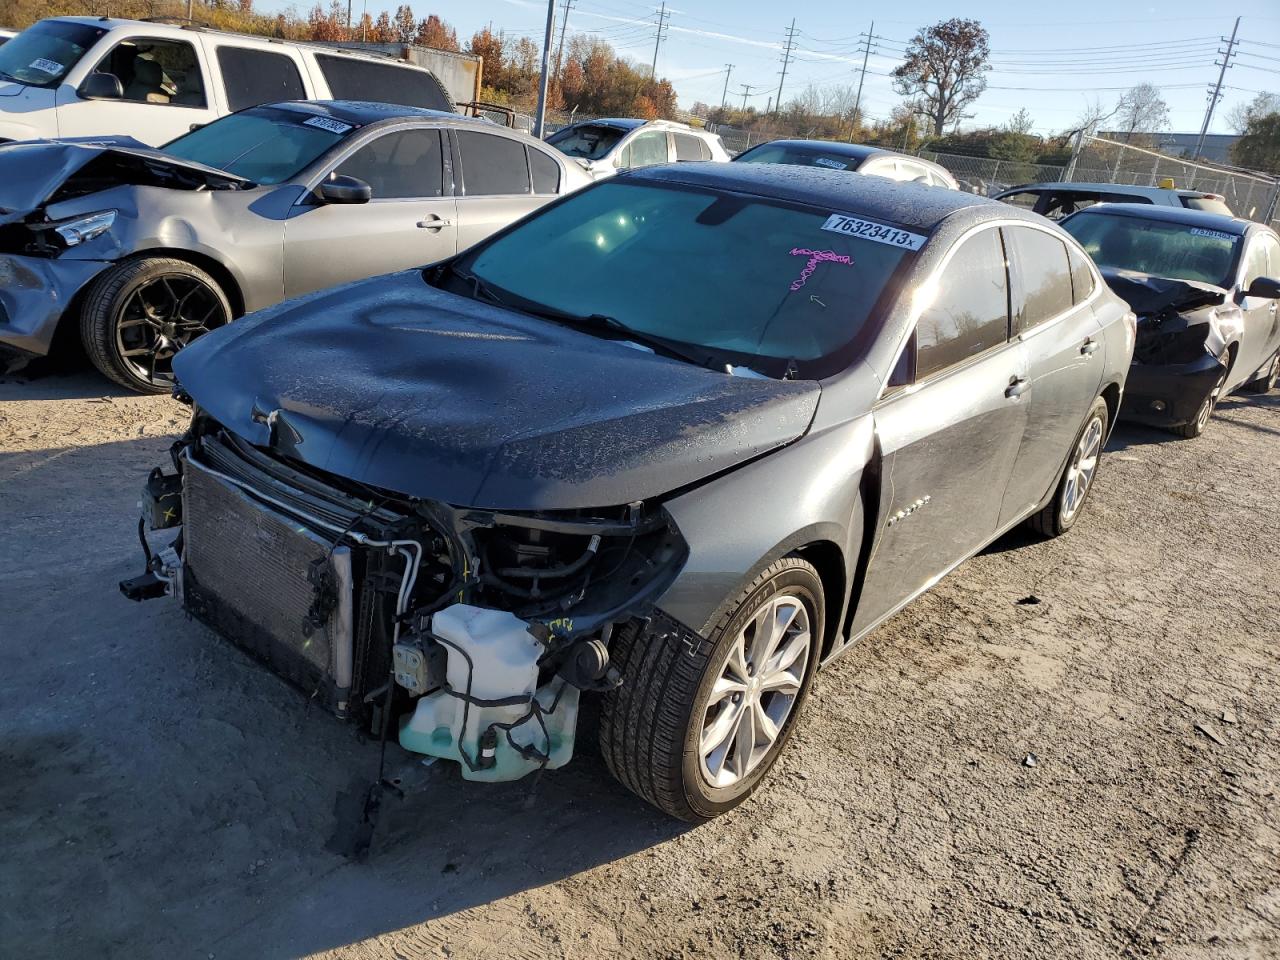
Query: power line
(786, 61)
(1216, 94)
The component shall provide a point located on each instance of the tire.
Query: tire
(1062, 512)
(1190, 431)
(155, 305)
(651, 727)
(1265, 383)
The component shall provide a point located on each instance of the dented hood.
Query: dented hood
(1149, 295)
(32, 170)
(401, 386)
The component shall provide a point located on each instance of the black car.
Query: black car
(677, 439)
(1205, 289)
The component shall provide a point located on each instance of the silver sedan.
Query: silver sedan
(144, 250)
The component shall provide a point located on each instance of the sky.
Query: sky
(1050, 59)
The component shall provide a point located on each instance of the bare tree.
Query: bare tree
(1020, 122)
(1264, 104)
(1141, 110)
(944, 70)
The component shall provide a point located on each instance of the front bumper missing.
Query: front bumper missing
(1169, 395)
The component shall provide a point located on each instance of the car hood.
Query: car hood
(1149, 295)
(398, 385)
(32, 171)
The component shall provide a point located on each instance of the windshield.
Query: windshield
(42, 54)
(799, 157)
(589, 141)
(1160, 248)
(756, 279)
(264, 145)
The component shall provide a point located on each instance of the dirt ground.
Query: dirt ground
(163, 796)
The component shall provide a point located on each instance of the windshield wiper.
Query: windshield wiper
(599, 321)
(479, 289)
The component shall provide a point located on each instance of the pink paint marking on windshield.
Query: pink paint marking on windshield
(816, 257)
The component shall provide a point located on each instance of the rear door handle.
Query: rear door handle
(1089, 347)
(1017, 387)
(434, 223)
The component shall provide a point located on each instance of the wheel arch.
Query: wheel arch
(210, 265)
(1111, 395)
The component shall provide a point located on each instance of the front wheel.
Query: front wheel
(695, 727)
(1077, 477)
(1196, 427)
(141, 312)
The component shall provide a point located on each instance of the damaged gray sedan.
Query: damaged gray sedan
(141, 251)
(675, 441)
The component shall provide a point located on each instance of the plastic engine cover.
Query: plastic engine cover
(503, 664)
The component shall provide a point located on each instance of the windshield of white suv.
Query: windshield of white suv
(42, 54)
(589, 141)
(263, 144)
(1160, 248)
(762, 281)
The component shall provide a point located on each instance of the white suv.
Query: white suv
(605, 147)
(90, 76)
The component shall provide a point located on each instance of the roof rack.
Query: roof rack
(179, 22)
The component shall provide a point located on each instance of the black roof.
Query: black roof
(912, 205)
(1066, 186)
(1182, 215)
(362, 113)
(857, 150)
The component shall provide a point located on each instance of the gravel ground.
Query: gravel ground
(163, 796)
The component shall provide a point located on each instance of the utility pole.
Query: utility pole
(862, 75)
(568, 5)
(1216, 94)
(728, 72)
(746, 92)
(786, 60)
(663, 17)
(539, 120)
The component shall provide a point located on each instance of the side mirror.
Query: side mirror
(101, 86)
(345, 190)
(1264, 287)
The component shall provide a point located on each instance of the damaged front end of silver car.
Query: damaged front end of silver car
(469, 633)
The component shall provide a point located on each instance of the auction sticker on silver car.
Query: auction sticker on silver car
(1214, 234)
(324, 123)
(870, 230)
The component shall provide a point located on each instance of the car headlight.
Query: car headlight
(81, 229)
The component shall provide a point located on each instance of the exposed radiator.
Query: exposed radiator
(269, 584)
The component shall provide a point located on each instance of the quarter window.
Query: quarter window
(492, 165)
(156, 71)
(402, 165)
(252, 77)
(1044, 276)
(970, 310)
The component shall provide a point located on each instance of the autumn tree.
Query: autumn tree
(944, 70)
(1259, 147)
(488, 47)
(434, 32)
(327, 26)
(404, 25)
(383, 31)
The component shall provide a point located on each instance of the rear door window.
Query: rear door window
(251, 77)
(492, 165)
(403, 165)
(1039, 261)
(350, 78)
(970, 312)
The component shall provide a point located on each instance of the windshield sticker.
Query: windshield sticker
(833, 164)
(46, 66)
(816, 257)
(1215, 234)
(868, 230)
(324, 123)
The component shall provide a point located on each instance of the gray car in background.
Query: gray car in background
(146, 249)
(677, 439)
(833, 155)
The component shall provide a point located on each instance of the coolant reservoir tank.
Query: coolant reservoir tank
(503, 654)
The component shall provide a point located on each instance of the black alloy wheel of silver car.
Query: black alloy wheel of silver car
(1267, 382)
(1196, 426)
(1077, 477)
(140, 313)
(698, 723)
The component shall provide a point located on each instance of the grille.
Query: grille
(269, 584)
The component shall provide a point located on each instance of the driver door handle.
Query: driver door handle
(434, 222)
(1017, 387)
(1089, 347)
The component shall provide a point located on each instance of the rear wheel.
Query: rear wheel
(1077, 477)
(140, 313)
(694, 729)
(1265, 383)
(1196, 426)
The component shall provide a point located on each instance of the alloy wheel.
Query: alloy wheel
(1210, 402)
(755, 690)
(161, 317)
(1080, 471)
